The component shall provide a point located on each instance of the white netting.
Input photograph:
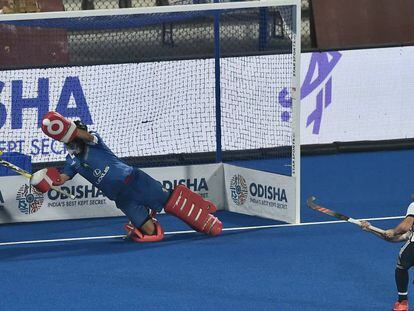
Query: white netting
(158, 107)
(251, 112)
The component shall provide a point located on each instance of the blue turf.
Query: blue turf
(315, 267)
(318, 267)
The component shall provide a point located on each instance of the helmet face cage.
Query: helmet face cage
(80, 125)
(77, 146)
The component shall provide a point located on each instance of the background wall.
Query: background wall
(350, 23)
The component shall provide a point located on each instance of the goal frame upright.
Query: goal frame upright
(296, 96)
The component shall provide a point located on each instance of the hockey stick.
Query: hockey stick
(311, 203)
(28, 175)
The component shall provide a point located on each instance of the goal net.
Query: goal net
(167, 85)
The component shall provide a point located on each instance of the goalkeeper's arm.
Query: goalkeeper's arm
(399, 234)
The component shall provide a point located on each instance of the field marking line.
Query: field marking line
(192, 231)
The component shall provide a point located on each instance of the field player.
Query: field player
(137, 194)
(402, 232)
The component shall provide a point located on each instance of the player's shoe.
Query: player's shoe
(401, 306)
(136, 235)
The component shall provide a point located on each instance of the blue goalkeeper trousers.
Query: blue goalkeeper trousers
(141, 192)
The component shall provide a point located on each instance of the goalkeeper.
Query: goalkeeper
(402, 232)
(137, 194)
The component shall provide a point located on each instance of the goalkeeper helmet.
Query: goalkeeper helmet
(77, 146)
(80, 125)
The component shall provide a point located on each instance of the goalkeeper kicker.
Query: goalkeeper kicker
(137, 194)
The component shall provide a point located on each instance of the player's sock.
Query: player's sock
(401, 279)
(402, 297)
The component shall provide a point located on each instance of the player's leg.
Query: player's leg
(148, 191)
(142, 226)
(401, 280)
(404, 263)
(148, 230)
(148, 227)
(183, 203)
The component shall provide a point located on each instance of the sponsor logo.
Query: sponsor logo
(29, 199)
(266, 195)
(238, 189)
(318, 77)
(194, 184)
(86, 196)
(97, 172)
(71, 103)
(268, 192)
(71, 89)
(79, 191)
(101, 175)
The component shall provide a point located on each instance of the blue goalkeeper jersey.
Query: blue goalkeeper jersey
(100, 166)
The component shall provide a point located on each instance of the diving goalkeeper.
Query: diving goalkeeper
(137, 194)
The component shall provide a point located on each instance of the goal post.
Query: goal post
(167, 85)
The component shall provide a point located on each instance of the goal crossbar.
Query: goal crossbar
(148, 10)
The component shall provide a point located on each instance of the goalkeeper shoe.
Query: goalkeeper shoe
(401, 305)
(136, 235)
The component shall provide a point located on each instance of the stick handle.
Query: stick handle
(29, 176)
(372, 228)
(63, 192)
(377, 230)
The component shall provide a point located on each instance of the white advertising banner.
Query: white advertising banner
(346, 96)
(207, 180)
(19, 202)
(260, 193)
(357, 95)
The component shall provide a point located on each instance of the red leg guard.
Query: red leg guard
(137, 235)
(194, 210)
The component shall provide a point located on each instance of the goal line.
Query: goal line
(108, 237)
